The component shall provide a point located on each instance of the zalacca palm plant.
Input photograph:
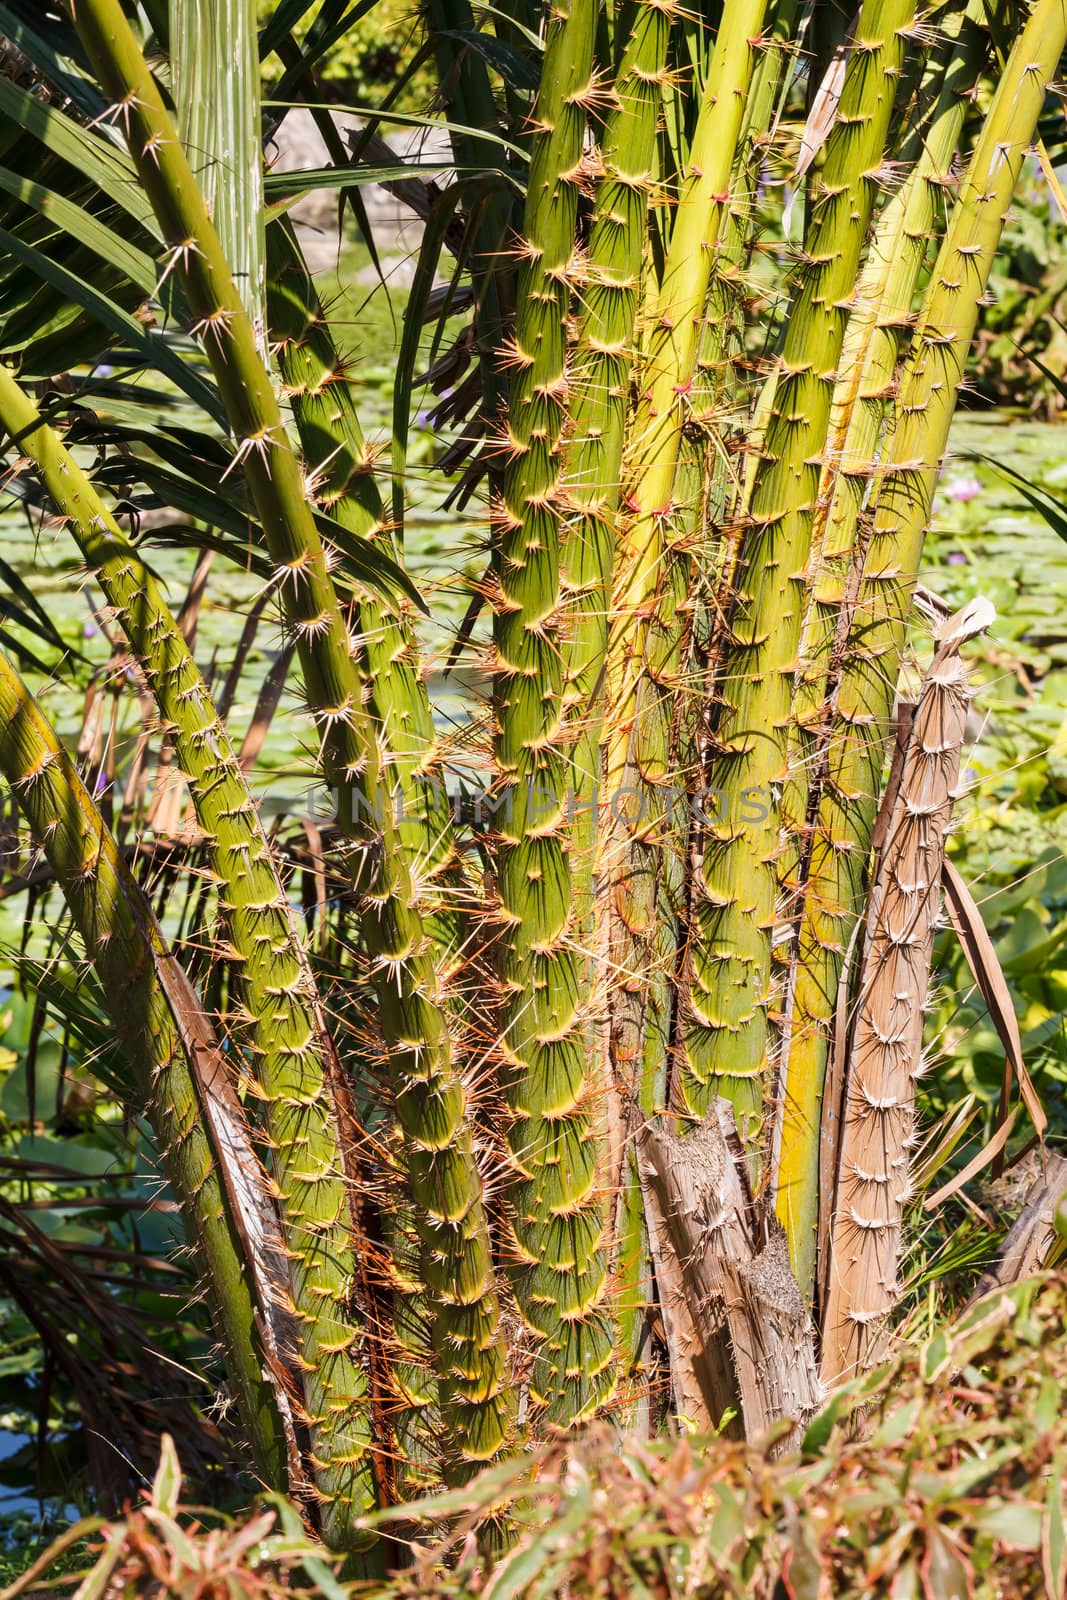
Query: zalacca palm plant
(597, 1095)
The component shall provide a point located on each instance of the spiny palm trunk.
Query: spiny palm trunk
(676, 313)
(639, 865)
(921, 418)
(599, 382)
(340, 468)
(285, 1037)
(430, 1097)
(557, 1214)
(123, 943)
(725, 1046)
(819, 880)
(600, 376)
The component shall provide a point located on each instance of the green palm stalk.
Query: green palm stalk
(661, 514)
(276, 993)
(729, 991)
(557, 1215)
(397, 700)
(647, 896)
(704, 391)
(124, 944)
(918, 437)
(641, 856)
(600, 370)
(339, 469)
(430, 1097)
(676, 314)
(600, 373)
(815, 877)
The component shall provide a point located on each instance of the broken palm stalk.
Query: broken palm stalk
(740, 1339)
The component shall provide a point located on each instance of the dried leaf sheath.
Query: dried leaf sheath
(878, 1120)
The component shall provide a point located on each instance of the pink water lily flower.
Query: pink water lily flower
(963, 489)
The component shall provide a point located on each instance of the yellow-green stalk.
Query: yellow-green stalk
(668, 369)
(660, 512)
(430, 1097)
(725, 1043)
(340, 471)
(124, 944)
(812, 877)
(557, 1214)
(276, 998)
(918, 436)
(599, 403)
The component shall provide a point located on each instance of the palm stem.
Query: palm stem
(430, 1097)
(729, 994)
(125, 946)
(670, 364)
(918, 435)
(276, 993)
(557, 1214)
(600, 377)
(813, 877)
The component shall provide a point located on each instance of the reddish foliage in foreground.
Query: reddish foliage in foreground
(940, 1476)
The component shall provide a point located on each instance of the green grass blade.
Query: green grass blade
(157, 351)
